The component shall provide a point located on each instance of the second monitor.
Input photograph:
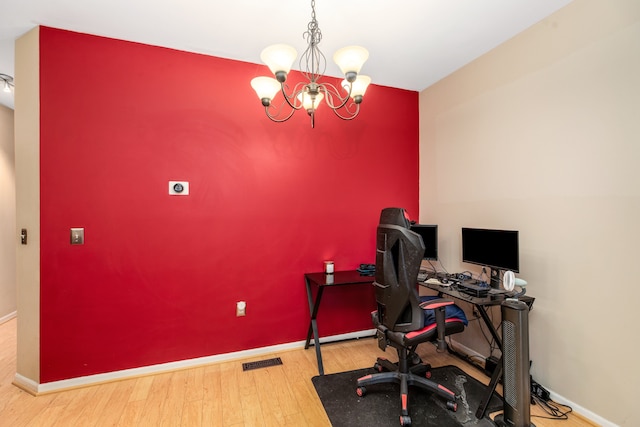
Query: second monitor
(496, 249)
(429, 234)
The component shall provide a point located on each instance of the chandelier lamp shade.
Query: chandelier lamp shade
(308, 95)
(6, 82)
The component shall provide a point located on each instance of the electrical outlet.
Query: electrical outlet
(241, 308)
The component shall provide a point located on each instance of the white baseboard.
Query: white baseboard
(463, 349)
(583, 412)
(26, 384)
(367, 333)
(55, 386)
(8, 317)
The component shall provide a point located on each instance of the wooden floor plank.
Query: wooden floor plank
(192, 413)
(156, 400)
(116, 402)
(132, 413)
(141, 388)
(211, 400)
(94, 406)
(48, 417)
(230, 394)
(74, 408)
(174, 401)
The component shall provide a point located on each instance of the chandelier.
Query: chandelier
(307, 95)
(7, 82)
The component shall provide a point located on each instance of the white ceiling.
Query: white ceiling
(412, 43)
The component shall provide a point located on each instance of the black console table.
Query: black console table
(322, 281)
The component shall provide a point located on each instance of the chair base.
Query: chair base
(417, 367)
(405, 380)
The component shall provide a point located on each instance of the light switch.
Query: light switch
(77, 236)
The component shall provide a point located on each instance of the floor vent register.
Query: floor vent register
(261, 364)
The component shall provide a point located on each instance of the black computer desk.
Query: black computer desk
(481, 304)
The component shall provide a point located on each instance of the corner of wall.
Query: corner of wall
(27, 164)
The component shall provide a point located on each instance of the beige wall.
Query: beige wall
(542, 135)
(27, 135)
(8, 302)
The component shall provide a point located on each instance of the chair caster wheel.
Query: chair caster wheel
(452, 406)
(405, 420)
(361, 391)
(415, 359)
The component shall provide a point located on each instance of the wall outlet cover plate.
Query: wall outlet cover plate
(179, 188)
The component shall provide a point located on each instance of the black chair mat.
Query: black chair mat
(381, 405)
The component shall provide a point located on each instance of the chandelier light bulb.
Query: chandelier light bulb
(350, 59)
(358, 87)
(308, 103)
(266, 88)
(279, 58)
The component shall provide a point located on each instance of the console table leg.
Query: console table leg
(313, 325)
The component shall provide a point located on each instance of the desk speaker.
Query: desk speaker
(515, 365)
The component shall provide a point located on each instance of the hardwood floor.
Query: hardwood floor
(215, 395)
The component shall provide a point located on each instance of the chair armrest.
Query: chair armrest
(382, 330)
(436, 303)
(438, 306)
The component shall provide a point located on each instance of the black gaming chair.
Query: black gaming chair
(400, 318)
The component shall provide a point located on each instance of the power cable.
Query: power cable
(552, 408)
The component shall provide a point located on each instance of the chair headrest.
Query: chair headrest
(395, 216)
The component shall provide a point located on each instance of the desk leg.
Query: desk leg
(484, 402)
(497, 373)
(483, 313)
(313, 326)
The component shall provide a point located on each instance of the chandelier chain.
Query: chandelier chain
(313, 33)
(313, 61)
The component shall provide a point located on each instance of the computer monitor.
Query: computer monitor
(496, 249)
(429, 234)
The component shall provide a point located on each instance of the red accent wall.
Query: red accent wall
(158, 277)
